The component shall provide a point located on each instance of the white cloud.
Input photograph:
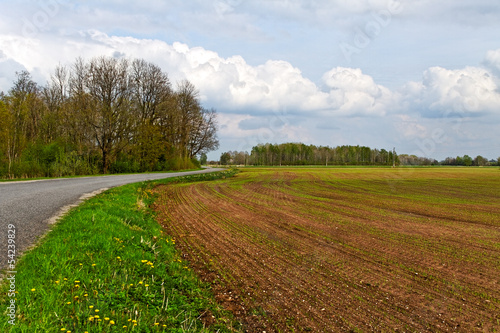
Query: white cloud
(229, 83)
(232, 85)
(461, 92)
(352, 92)
(492, 61)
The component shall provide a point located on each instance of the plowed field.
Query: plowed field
(339, 250)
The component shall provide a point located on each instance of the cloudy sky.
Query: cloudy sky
(419, 75)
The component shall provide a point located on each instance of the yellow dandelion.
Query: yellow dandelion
(143, 261)
(33, 289)
(65, 279)
(118, 258)
(77, 281)
(156, 324)
(111, 322)
(63, 329)
(57, 281)
(124, 326)
(129, 319)
(68, 303)
(77, 286)
(131, 284)
(81, 264)
(76, 297)
(96, 310)
(91, 306)
(93, 265)
(147, 285)
(85, 295)
(106, 318)
(96, 316)
(140, 282)
(164, 325)
(134, 321)
(91, 318)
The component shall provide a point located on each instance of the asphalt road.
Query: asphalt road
(29, 206)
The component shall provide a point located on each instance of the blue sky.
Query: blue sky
(421, 76)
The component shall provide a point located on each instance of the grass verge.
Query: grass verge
(107, 266)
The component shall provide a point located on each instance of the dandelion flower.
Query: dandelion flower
(129, 319)
(63, 329)
(106, 318)
(57, 281)
(68, 303)
(156, 324)
(77, 281)
(91, 306)
(111, 322)
(134, 321)
(91, 318)
(33, 289)
(96, 316)
(124, 326)
(96, 310)
(76, 297)
(93, 265)
(140, 282)
(85, 295)
(143, 261)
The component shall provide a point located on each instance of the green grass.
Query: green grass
(107, 266)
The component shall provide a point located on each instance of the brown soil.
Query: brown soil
(297, 252)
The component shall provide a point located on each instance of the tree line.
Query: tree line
(302, 154)
(104, 115)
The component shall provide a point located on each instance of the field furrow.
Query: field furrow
(331, 250)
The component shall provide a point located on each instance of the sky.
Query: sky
(421, 76)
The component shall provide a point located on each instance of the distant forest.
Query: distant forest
(302, 154)
(104, 115)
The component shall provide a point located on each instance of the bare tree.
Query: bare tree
(110, 112)
(150, 88)
(203, 135)
(188, 110)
